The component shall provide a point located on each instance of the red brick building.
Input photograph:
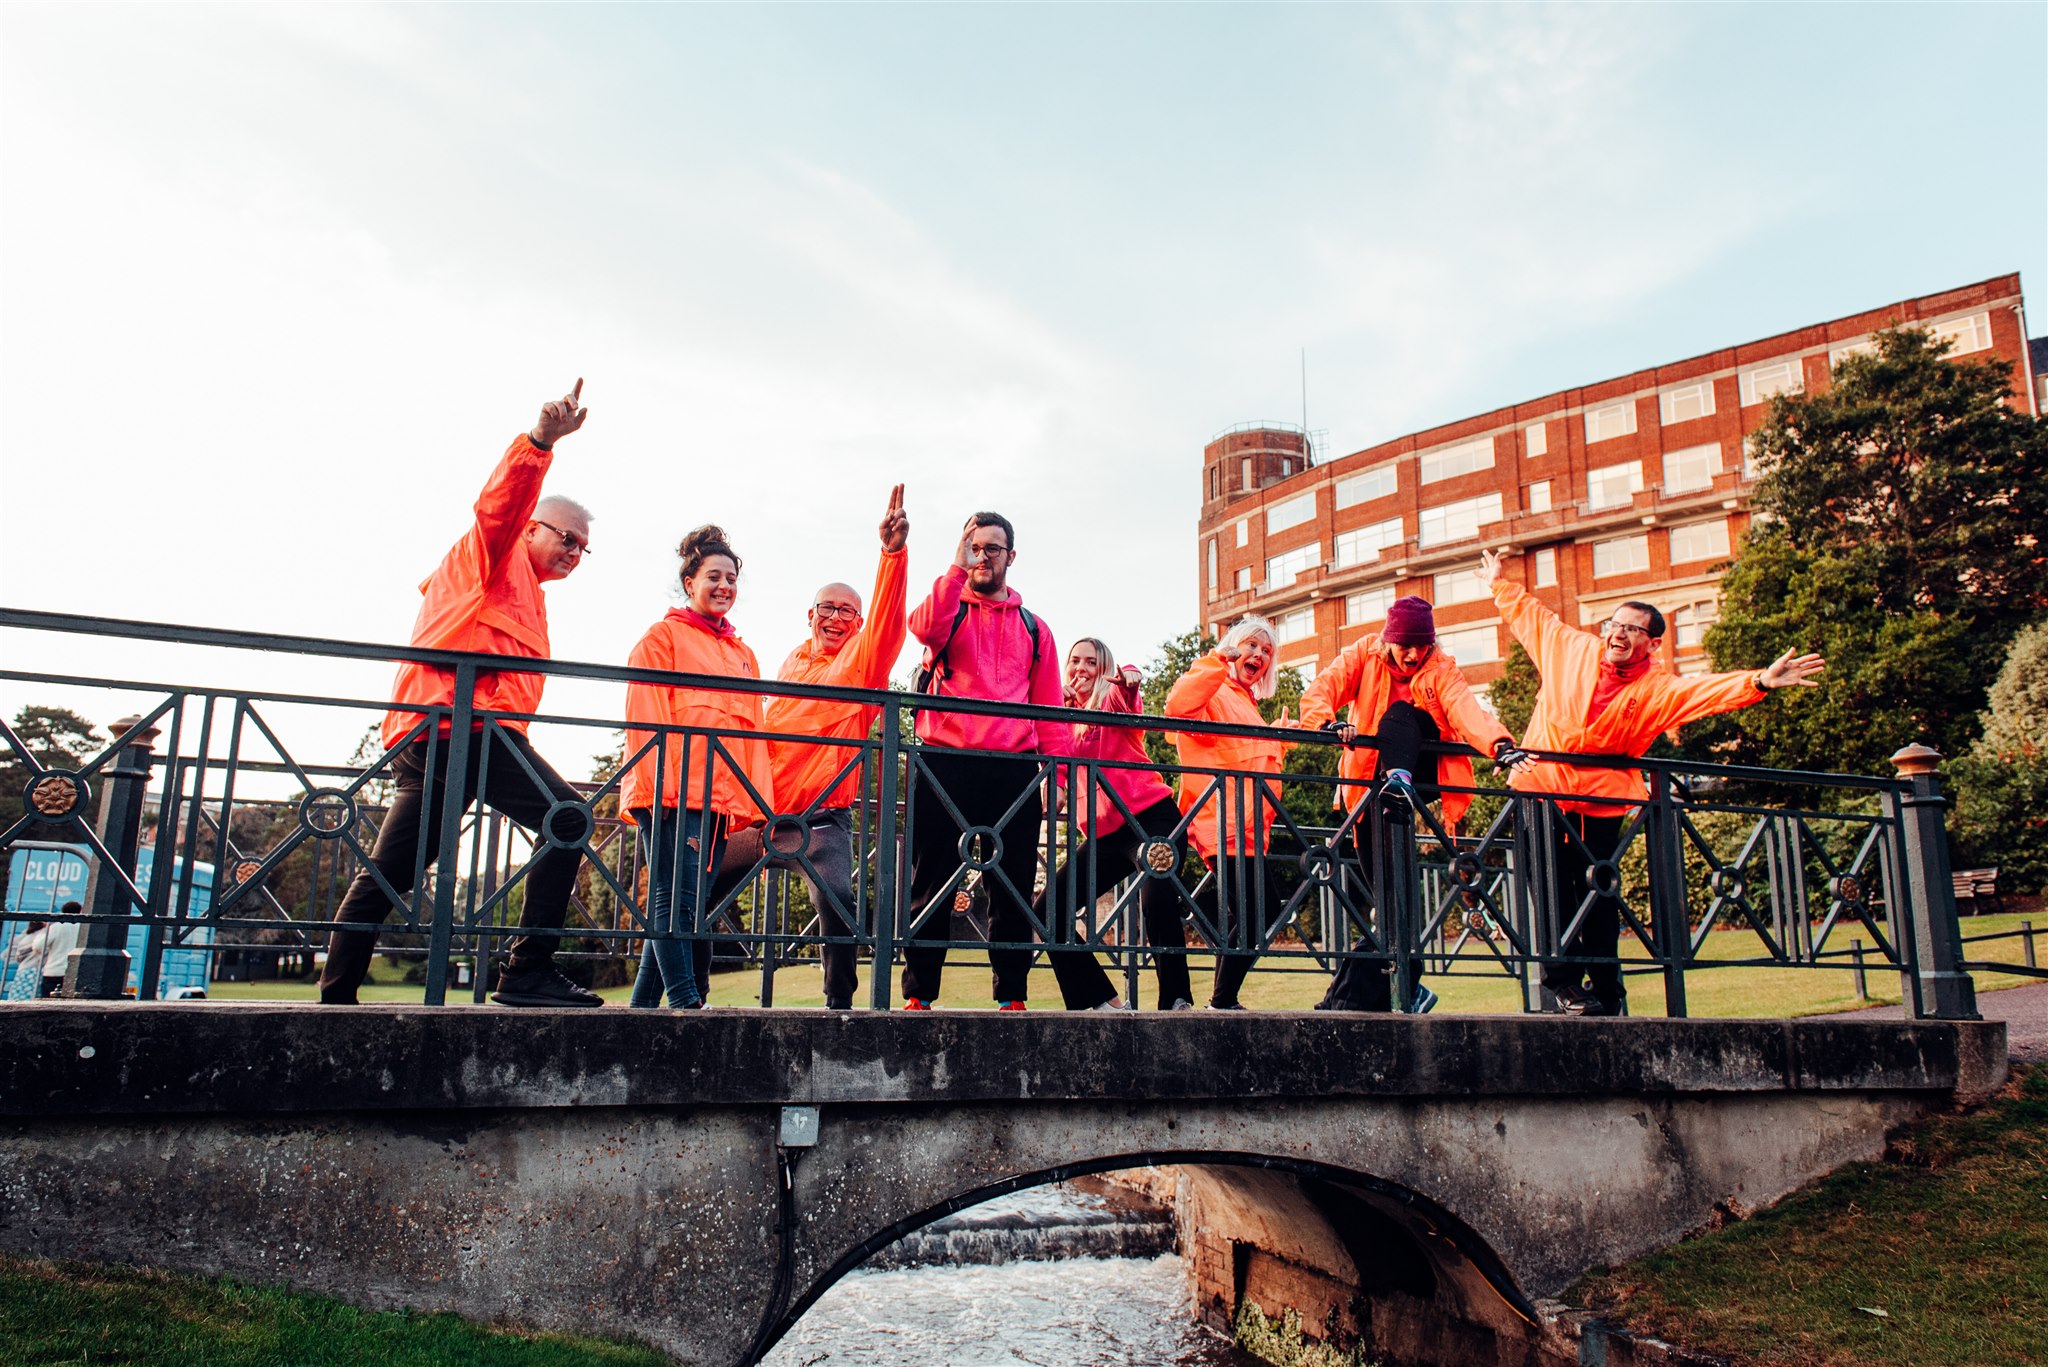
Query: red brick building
(1636, 487)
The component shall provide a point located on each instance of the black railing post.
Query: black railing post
(887, 861)
(1401, 931)
(1665, 849)
(1946, 992)
(448, 867)
(98, 968)
(1529, 896)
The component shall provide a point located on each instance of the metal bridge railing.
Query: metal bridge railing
(230, 837)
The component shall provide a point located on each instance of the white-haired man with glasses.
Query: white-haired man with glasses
(1604, 693)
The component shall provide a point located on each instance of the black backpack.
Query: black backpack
(933, 671)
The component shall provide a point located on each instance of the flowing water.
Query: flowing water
(1045, 1311)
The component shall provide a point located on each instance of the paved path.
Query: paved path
(2023, 1009)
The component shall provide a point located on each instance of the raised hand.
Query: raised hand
(966, 534)
(1790, 670)
(895, 522)
(559, 418)
(1491, 565)
(1130, 675)
(1230, 654)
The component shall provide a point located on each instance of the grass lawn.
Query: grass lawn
(1936, 1257)
(1478, 986)
(55, 1313)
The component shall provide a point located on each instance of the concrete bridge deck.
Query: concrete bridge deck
(627, 1173)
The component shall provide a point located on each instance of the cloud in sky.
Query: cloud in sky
(286, 279)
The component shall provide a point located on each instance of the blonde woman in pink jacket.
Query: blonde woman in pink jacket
(1116, 846)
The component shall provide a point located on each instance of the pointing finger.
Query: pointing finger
(575, 396)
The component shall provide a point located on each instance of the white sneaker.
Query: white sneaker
(1181, 1004)
(1113, 1004)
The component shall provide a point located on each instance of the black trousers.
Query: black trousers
(831, 852)
(1247, 878)
(1599, 934)
(508, 788)
(1366, 984)
(982, 787)
(1114, 858)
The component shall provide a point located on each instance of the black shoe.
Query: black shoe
(338, 998)
(1227, 1006)
(1572, 1000)
(1597, 1007)
(541, 987)
(838, 1004)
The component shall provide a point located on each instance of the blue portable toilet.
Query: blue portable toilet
(43, 878)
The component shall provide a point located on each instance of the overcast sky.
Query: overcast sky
(277, 284)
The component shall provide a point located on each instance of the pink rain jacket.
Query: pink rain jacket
(990, 658)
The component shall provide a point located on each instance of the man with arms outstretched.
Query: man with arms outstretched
(1603, 693)
(485, 596)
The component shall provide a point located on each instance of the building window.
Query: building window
(1622, 555)
(1837, 355)
(1215, 481)
(1306, 668)
(1470, 645)
(1612, 486)
(1244, 579)
(1459, 586)
(1291, 513)
(1458, 521)
(1212, 567)
(1693, 468)
(1612, 420)
(1363, 546)
(1244, 531)
(1298, 625)
(1699, 540)
(1536, 439)
(1286, 466)
(1537, 497)
(1546, 567)
(1691, 622)
(1377, 482)
(1453, 461)
(1368, 605)
(1969, 334)
(1281, 569)
(1244, 476)
(1779, 377)
(1687, 402)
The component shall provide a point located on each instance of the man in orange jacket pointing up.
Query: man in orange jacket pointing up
(1604, 694)
(485, 596)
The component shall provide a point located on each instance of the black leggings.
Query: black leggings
(1099, 864)
(1366, 984)
(1247, 879)
(1599, 934)
(982, 787)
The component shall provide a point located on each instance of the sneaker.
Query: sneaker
(1227, 1006)
(1180, 1004)
(541, 987)
(338, 999)
(1572, 1000)
(916, 1004)
(1594, 1006)
(1422, 1001)
(1113, 1004)
(1401, 784)
(1009, 1006)
(838, 1004)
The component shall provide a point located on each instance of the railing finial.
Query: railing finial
(1916, 759)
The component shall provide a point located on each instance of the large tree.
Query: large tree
(1898, 514)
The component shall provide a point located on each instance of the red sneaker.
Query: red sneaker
(1009, 1006)
(916, 1004)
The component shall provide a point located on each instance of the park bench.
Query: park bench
(1973, 884)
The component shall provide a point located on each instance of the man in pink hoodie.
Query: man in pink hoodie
(980, 642)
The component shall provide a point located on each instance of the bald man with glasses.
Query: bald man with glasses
(485, 596)
(1604, 692)
(846, 649)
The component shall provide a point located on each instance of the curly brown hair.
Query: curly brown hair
(707, 540)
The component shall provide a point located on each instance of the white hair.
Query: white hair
(1242, 630)
(553, 506)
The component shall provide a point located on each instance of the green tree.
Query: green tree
(2001, 786)
(1513, 694)
(1896, 528)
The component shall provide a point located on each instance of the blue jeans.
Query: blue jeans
(674, 850)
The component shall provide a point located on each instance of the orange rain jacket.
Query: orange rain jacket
(485, 597)
(1208, 693)
(683, 641)
(1645, 708)
(802, 771)
(1361, 676)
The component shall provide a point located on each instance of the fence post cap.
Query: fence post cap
(146, 737)
(1916, 759)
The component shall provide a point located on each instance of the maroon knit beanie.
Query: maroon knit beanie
(1409, 623)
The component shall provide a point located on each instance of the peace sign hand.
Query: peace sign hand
(560, 418)
(895, 523)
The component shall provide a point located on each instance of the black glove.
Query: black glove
(1507, 754)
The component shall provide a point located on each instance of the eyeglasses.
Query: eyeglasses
(831, 610)
(571, 542)
(1610, 626)
(987, 552)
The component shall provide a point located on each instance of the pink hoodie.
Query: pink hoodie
(990, 658)
(1139, 788)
